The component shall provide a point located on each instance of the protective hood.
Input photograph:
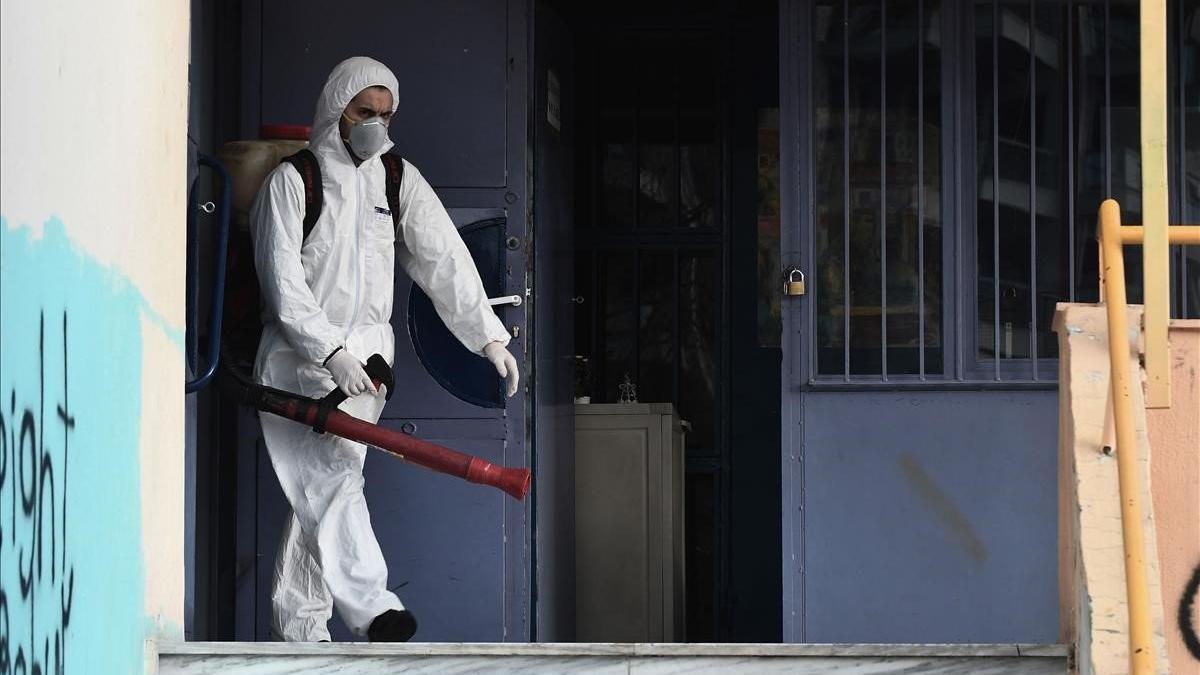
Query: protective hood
(347, 79)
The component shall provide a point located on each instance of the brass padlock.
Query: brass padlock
(795, 283)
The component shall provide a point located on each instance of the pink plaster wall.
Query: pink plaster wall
(1175, 483)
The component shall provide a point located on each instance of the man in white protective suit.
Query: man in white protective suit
(328, 305)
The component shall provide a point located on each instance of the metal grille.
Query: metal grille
(1183, 78)
(877, 180)
(650, 248)
(650, 255)
(1057, 131)
(1045, 76)
(905, 291)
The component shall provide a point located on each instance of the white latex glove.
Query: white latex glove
(506, 364)
(349, 374)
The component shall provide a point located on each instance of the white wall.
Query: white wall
(92, 173)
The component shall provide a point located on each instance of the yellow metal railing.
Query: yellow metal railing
(1152, 67)
(1113, 238)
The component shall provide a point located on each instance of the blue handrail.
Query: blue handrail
(218, 288)
(193, 255)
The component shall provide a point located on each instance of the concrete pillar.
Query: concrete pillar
(1093, 613)
(93, 121)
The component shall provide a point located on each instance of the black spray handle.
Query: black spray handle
(381, 375)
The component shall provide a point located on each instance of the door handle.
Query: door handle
(514, 300)
(217, 308)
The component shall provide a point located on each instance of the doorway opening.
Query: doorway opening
(677, 271)
(674, 149)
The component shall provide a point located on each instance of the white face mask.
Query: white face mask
(366, 136)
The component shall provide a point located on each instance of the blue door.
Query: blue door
(921, 201)
(943, 166)
(459, 554)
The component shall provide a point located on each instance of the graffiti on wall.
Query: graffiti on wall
(71, 566)
(1187, 612)
(39, 476)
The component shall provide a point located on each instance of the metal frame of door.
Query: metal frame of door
(797, 186)
(794, 193)
(797, 201)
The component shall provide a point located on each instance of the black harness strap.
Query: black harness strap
(393, 168)
(310, 172)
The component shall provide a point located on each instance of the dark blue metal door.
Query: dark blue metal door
(458, 554)
(943, 163)
(919, 497)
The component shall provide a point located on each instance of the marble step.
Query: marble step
(263, 658)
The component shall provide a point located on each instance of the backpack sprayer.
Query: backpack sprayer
(243, 328)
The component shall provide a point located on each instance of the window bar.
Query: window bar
(677, 298)
(678, 149)
(921, 188)
(1108, 191)
(846, 189)
(1033, 287)
(637, 315)
(1184, 211)
(883, 340)
(596, 150)
(1070, 26)
(1187, 215)
(1176, 279)
(996, 188)
(636, 106)
(805, 164)
(595, 366)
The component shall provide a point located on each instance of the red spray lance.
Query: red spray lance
(323, 416)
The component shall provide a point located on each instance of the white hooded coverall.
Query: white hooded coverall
(335, 290)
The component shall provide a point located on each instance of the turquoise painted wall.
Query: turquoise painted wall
(71, 561)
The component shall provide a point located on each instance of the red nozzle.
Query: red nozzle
(513, 481)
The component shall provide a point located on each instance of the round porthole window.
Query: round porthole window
(458, 371)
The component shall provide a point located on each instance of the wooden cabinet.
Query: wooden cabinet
(629, 553)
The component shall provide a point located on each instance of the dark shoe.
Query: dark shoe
(393, 626)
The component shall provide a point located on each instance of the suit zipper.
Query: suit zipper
(358, 264)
